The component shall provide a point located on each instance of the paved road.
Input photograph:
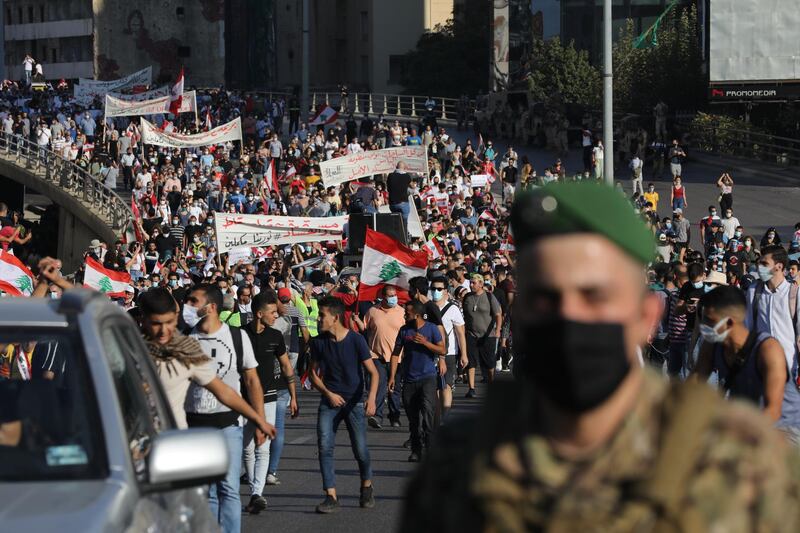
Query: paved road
(291, 504)
(764, 195)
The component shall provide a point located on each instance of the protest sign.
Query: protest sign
(237, 231)
(232, 131)
(120, 108)
(87, 90)
(362, 164)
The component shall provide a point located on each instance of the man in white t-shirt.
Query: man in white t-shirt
(232, 354)
(456, 341)
(180, 361)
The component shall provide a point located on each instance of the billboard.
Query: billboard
(754, 41)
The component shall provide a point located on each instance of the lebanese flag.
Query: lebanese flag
(388, 262)
(289, 172)
(208, 120)
(486, 215)
(15, 278)
(109, 282)
(508, 245)
(167, 126)
(176, 95)
(433, 248)
(157, 268)
(325, 115)
(271, 177)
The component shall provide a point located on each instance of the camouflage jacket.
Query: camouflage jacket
(499, 474)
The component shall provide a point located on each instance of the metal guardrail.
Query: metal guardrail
(783, 151)
(69, 177)
(389, 105)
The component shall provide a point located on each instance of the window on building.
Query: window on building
(53, 55)
(41, 13)
(179, 12)
(397, 65)
(364, 25)
(184, 51)
(19, 16)
(30, 13)
(8, 20)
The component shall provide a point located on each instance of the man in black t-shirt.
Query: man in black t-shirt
(397, 185)
(275, 373)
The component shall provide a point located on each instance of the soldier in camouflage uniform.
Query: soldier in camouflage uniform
(587, 439)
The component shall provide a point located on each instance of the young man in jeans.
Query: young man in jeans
(232, 355)
(276, 375)
(337, 357)
(422, 346)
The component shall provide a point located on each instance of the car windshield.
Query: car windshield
(49, 425)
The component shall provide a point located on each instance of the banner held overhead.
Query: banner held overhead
(245, 231)
(363, 164)
(232, 131)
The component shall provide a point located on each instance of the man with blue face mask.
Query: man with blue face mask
(382, 323)
(772, 305)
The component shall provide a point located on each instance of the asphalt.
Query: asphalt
(764, 195)
(291, 504)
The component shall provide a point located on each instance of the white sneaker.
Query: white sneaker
(273, 480)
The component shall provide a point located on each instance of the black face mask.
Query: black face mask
(577, 365)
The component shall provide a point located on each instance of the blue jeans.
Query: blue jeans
(276, 445)
(257, 458)
(223, 496)
(404, 209)
(328, 420)
(392, 400)
(677, 358)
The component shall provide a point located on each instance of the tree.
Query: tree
(563, 70)
(671, 70)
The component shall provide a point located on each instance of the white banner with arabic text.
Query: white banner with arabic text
(141, 97)
(120, 108)
(244, 231)
(363, 164)
(232, 131)
(87, 90)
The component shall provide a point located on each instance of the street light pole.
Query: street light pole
(608, 98)
(304, 102)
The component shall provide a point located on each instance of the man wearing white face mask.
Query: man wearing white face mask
(455, 341)
(772, 306)
(382, 323)
(749, 365)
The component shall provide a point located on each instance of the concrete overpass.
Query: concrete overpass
(87, 209)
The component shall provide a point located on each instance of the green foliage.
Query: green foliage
(565, 71)
(723, 134)
(669, 71)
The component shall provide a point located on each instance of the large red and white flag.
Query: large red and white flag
(176, 95)
(388, 262)
(434, 248)
(325, 115)
(15, 278)
(110, 282)
(289, 172)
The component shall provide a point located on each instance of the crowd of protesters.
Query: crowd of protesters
(306, 321)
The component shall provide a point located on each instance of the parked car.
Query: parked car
(87, 440)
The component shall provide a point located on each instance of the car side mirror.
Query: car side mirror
(186, 458)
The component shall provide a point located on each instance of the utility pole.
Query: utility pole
(608, 97)
(304, 99)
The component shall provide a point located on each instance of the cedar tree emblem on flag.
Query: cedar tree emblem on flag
(390, 270)
(23, 283)
(105, 285)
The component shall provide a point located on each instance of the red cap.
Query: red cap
(284, 293)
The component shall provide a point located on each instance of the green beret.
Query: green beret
(581, 207)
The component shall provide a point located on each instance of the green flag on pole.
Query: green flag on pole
(649, 37)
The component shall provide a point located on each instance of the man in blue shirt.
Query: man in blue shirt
(338, 358)
(422, 345)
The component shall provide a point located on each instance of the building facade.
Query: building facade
(361, 43)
